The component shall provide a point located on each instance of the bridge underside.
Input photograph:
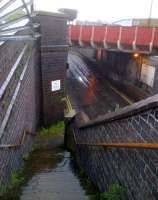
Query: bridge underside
(115, 38)
(133, 74)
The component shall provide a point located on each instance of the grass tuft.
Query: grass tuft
(114, 192)
(16, 180)
(55, 129)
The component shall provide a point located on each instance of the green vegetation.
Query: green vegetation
(46, 135)
(14, 189)
(55, 129)
(114, 192)
(44, 139)
(91, 189)
(16, 180)
(26, 157)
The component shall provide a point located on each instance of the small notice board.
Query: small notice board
(147, 74)
(55, 85)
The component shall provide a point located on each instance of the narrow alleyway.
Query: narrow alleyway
(53, 175)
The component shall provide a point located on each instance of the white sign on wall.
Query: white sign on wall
(55, 85)
(147, 74)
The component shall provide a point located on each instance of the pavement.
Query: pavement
(53, 178)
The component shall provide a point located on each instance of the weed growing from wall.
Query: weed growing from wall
(114, 192)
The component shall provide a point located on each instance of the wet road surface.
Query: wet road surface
(88, 91)
(53, 178)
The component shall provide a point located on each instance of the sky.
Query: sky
(106, 10)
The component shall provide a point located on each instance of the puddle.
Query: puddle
(53, 177)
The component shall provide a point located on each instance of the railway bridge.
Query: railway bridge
(108, 74)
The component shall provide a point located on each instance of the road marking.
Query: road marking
(129, 101)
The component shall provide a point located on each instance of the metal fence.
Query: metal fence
(121, 148)
(17, 15)
(19, 72)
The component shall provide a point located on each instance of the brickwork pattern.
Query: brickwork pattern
(135, 169)
(53, 64)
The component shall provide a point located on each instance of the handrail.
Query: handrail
(14, 21)
(128, 111)
(11, 73)
(10, 107)
(19, 37)
(25, 133)
(20, 28)
(123, 145)
(127, 145)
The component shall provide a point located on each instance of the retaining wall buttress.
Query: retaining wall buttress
(53, 28)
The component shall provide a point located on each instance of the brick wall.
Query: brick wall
(53, 63)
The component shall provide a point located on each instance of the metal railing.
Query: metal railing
(119, 145)
(5, 84)
(17, 145)
(18, 54)
(17, 15)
